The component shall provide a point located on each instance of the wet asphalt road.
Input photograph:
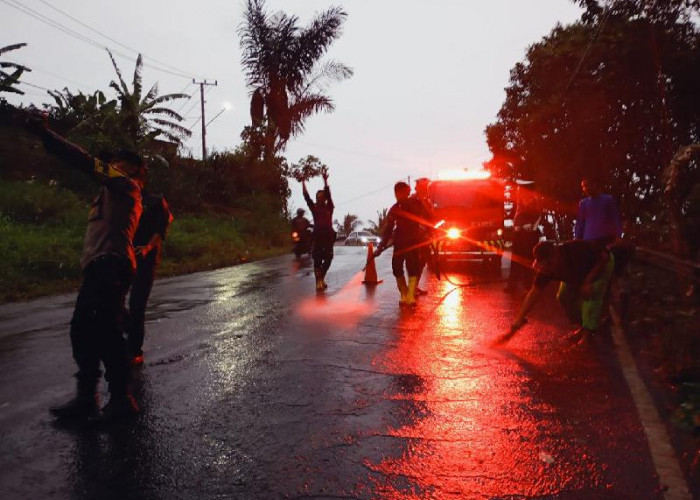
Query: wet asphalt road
(254, 387)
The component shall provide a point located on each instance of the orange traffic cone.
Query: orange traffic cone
(370, 268)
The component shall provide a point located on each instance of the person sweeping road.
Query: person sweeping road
(583, 270)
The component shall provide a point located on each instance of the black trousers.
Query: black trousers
(96, 331)
(523, 243)
(424, 253)
(322, 252)
(412, 260)
(138, 298)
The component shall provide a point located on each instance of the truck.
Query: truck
(469, 208)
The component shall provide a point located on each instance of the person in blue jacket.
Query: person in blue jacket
(598, 218)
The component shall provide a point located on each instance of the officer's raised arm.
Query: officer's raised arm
(69, 152)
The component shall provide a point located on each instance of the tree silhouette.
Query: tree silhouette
(143, 118)
(613, 96)
(284, 71)
(349, 224)
(377, 227)
(10, 78)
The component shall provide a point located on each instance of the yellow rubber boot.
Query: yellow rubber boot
(403, 289)
(319, 280)
(411, 293)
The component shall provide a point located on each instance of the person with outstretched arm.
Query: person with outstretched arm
(323, 234)
(583, 270)
(108, 263)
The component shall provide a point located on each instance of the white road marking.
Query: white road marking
(662, 453)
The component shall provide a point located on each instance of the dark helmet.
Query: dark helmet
(139, 168)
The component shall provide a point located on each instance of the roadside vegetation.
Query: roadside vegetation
(616, 96)
(229, 208)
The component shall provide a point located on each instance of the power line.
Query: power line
(33, 93)
(46, 20)
(365, 155)
(345, 202)
(195, 105)
(70, 32)
(186, 100)
(166, 65)
(85, 86)
(195, 123)
(24, 82)
(588, 48)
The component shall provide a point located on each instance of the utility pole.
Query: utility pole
(204, 126)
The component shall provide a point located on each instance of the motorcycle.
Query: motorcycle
(302, 242)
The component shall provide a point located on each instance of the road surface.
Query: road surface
(256, 387)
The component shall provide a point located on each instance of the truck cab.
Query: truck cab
(471, 212)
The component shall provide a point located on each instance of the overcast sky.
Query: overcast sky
(429, 75)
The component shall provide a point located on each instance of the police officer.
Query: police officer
(108, 263)
(148, 241)
(404, 226)
(323, 235)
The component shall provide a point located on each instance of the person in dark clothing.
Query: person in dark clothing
(424, 252)
(148, 241)
(302, 227)
(404, 227)
(299, 222)
(583, 269)
(108, 262)
(526, 234)
(323, 235)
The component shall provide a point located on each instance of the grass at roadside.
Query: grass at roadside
(663, 334)
(41, 236)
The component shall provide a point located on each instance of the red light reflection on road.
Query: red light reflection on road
(345, 308)
(467, 434)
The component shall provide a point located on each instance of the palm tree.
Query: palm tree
(350, 222)
(9, 80)
(377, 227)
(143, 118)
(284, 71)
